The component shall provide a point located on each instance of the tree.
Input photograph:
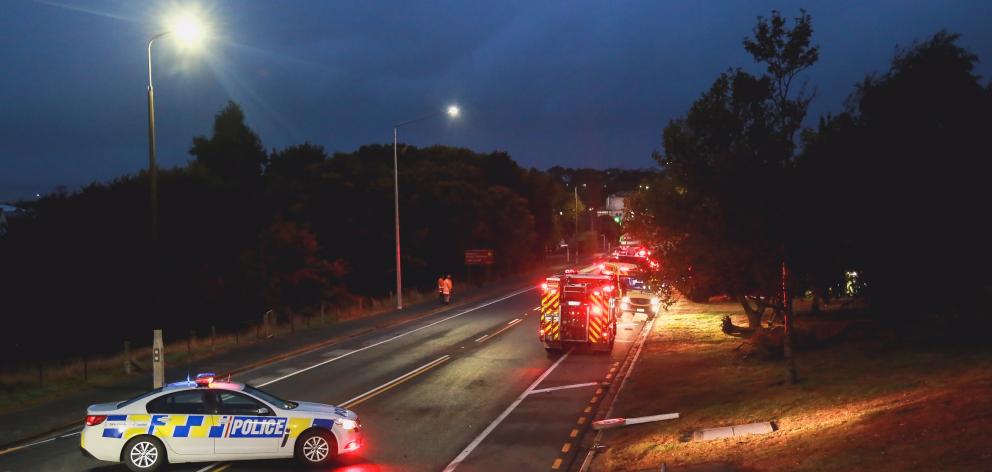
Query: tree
(234, 153)
(720, 211)
(911, 152)
(288, 270)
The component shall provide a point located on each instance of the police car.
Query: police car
(209, 420)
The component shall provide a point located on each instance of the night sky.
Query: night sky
(574, 83)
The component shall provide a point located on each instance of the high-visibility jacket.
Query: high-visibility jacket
(440, 284)
(446, 289)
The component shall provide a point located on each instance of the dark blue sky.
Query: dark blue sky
(575, 83)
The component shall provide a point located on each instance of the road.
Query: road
(468, 389)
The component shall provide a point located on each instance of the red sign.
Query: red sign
(479, 256)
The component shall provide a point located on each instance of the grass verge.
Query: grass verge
(864, 403)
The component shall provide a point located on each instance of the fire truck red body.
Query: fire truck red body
(579, 308)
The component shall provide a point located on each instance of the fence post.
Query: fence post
(236, 336)
(213, 338)
(127, 357)
(292, 323)
(322, 313)
(189, 343)
(158, 359)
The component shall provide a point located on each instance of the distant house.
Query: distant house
(615, 205)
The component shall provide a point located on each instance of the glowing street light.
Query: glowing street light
(452, 112)
(190, 31)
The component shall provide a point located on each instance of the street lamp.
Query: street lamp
(190, 32)
(452, 111)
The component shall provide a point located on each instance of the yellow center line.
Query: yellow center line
(508, 326)
(574, 433)
(582, 420)
(566, 447)
(393, 383)
(556, 464)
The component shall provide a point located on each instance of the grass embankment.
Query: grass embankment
(24, 387)
(863, 403)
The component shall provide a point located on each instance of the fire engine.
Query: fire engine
(579, 308)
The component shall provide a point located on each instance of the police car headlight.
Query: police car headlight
(626, 299)
(346, 424)
(625, 306)
(655, 301)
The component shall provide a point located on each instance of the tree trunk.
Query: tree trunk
(753, 314)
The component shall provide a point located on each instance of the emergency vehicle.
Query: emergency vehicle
(213, 420)
(579, 308)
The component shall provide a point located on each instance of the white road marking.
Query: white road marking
(12, 449)
(484, 336)
(499, 419)
(397, 380)
(564, 387)
(515, 320)
(370, 346)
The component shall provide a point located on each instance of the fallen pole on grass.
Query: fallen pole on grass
(618, 422)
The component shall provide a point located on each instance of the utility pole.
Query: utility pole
(576, 211)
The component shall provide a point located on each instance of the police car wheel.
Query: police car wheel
(144, 454)
(316, 447)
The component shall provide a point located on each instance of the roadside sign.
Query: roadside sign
(479, 256)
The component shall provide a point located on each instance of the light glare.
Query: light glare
(188, 30)
(453, 111)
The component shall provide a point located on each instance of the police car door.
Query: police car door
(182, 421)
(249, 426)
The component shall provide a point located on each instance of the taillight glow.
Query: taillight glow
(351, 446)
(544, 287)
(608, 288)
(93, 420)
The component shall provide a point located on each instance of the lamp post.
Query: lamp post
(190, 32)
(452, 111)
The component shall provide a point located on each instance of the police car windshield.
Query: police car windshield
(279, 402)
(139, 397)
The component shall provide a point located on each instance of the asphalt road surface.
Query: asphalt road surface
(470, 389)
